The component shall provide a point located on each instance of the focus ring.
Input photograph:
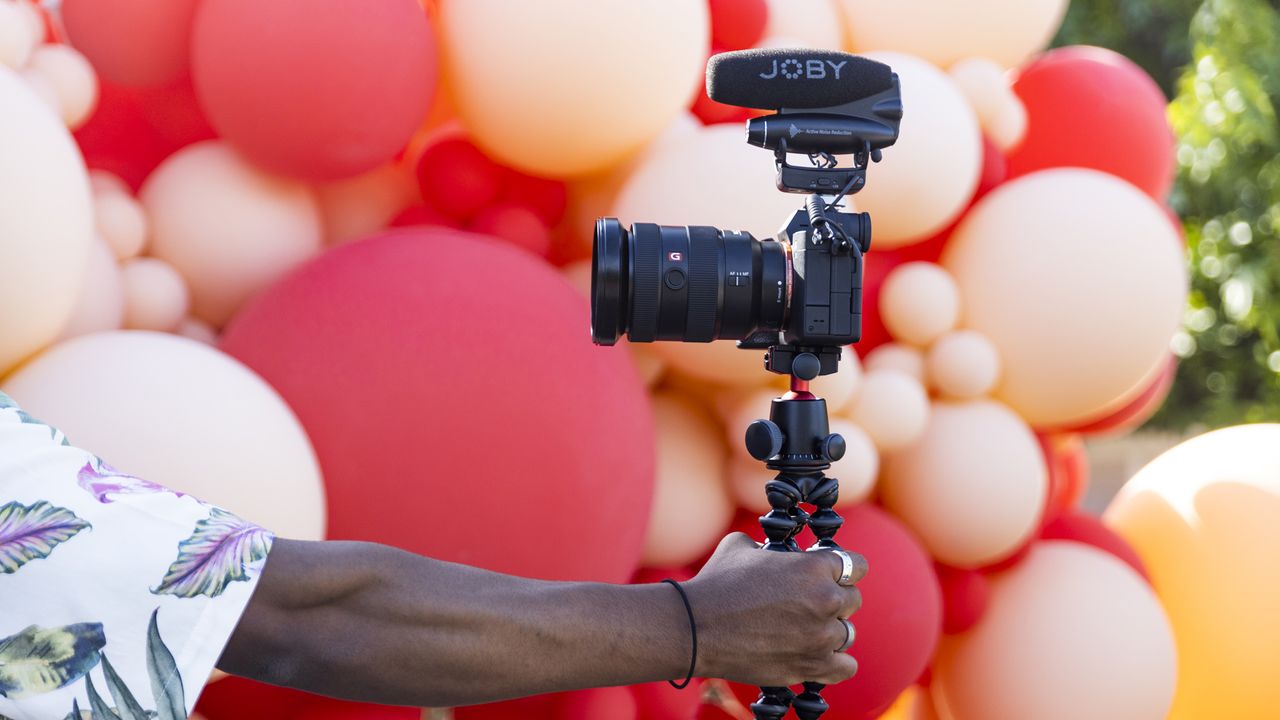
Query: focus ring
(647, 264)
(704, 284)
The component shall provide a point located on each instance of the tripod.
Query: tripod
(796, 442)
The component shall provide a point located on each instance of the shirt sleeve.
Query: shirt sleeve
(115, 593)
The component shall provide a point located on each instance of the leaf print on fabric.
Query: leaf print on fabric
(166, 681)
(6, 402)
(127, 706)
(32, 532)
(104, 482)
(220, 551)
(97, 704)
(40, 660)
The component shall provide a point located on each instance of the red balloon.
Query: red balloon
(1082, 527)
(538, 707)
(661, 701)
(422, 215)
(457, 405)
(738, 24)
(547, 197)
(711, 112)
(132, 42)
(614, 703)
(656, 575)
(900, 620)
(457, 179)
(1068, 465)
(1094, 108)
(230, 697)
(995, 170)
(317, 89)
(322, 708)
(1138, 410)
(516, 223)
(965, 594)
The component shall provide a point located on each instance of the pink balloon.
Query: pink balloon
(132, 42)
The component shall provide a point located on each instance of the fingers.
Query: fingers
(852, 602)
(837, 565)
(737, 541)
(841, 667)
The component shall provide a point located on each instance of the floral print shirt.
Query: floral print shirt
(117, 595)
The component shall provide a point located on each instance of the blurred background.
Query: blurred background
(326, 263)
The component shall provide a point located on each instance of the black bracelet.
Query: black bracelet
(693, 630)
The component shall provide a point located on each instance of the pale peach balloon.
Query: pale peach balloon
(198, 330)
(548, 87)
(649, 366)
(985, 85)
(364, 204)
(841, 387)
(747, 477)
(919, 302)
(155, 295)
(121, 222)
(944, 31)
(896, 356)
(101, 303)
(1079, 280)
(928, 177)
(962, 365)
(73, 80)
(808, 24)
(17, 36)
(229, 228)
(1070, 632)
(892, 407)
(103, 181)
(1009, 125)
(46, 222)
(972, 486)
(184, 415)
(42, 87)
(691, 504)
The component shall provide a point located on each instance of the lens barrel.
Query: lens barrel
(687, 283)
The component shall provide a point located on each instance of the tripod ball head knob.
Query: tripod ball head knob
(832, 447)
(764, 439)
(806, 366)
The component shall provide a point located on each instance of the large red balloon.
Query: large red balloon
(1094, 108)
(614, 703)
(132, 42)
(317, 89)
(323, 708)
(538, 707)
(661, 701)
(457, 405)
(900, 620)
(234, 698)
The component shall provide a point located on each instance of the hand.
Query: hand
(772, 618)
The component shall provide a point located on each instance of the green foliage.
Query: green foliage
(1223, 71)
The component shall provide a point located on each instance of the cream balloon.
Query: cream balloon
(972, 486)
(46, 222)
(182, 414)
(944, 31)
(17, 40)
(1071, 632)
(803, 23)
(1205, 518)
(121, 222)
(198, 330)
(691, 505)
(1010, 125)
(101, 303)
(892, 407)
(548, 88)
(362, 205)
(962, 365)
(155, 295)
(856, 471)
(1078, 278)
(984, 85)
(840, 388)
(896, 356)
(919, 302)
(928, 176)
(102, 181)
(72, 78)
(227, 227)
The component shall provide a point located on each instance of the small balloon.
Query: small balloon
(919, 302)
(121, 222)
(896, 356)
(72, 78)
(101, 303)
(962, 364)
(892, 408)
(155, 295)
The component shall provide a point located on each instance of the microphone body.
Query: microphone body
(769, 79)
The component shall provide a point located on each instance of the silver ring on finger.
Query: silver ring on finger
(848, 635)
(846, 567)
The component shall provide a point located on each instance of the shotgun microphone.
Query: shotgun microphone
(792, 78)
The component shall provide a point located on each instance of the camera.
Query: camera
(799, 290)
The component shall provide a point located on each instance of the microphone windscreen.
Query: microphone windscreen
(773, 78)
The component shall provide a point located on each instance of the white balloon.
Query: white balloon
(17, 38)
(804, 23)
(896, 356)
(101, 303)
(73, 80)
(893, 408)
(155, 295)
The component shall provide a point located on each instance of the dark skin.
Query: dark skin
(371, 623)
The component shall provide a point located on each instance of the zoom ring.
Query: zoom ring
(647, 264)
(704, 284)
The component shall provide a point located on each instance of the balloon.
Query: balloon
(228, 698)
(943, 31)
(1094, 108)
(1009, 128)
(605, 702)
(132, 42)
(569, 99)
(1068, 465)
(1138, 410)
(120, 222)
(962, 365)
(972, 486)
(17, 36)
(198, 330)
(660, 701)
(181, 414)
(1070, 633)
(101, 302)
(984, 85)
(892, 408)
(352, 340)
(317, 89)
(965, 594)
(538, 707)
(1203, 517)
(691, 505)
(809, 24)
(155, 295)
(995, 170)
(72, 78)
(1076, 278)
(323, 708)
(1084, 528)
(928, 176)
(546, 197)
(515, 223)
(919, 302)
(738, 24)
(896, 356)
(456, 179)
(358, 206)
(900, 620)
(840, 388)
(227, 227)
(46, 222)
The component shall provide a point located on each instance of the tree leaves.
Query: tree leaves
(32, 532)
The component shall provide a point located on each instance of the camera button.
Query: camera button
(674, 279)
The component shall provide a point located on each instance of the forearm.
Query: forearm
(396, 628)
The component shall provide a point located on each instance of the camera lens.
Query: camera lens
(688, 283)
